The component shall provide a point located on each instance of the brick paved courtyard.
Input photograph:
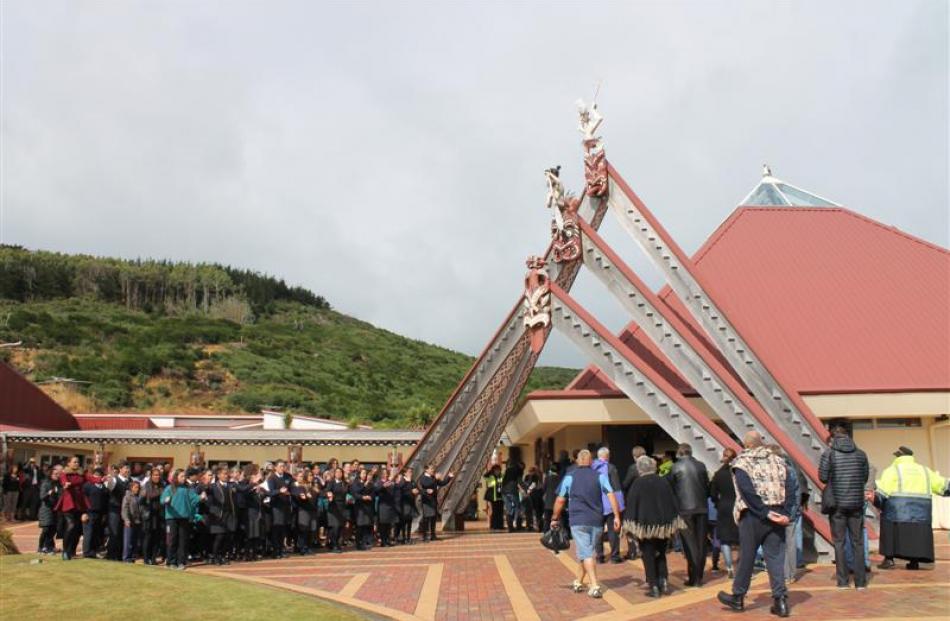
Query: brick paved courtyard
(482, 576)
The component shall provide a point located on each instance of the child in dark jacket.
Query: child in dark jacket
(132, 519)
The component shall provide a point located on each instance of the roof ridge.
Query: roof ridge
(890, 228)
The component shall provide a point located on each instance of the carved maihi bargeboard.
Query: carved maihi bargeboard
(595, 172)
(537, 301)
(566, 245)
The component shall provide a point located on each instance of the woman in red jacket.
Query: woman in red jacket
(73, 506)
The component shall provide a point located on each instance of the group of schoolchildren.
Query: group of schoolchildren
(221, 514)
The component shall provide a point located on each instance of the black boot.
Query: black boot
(654, 591)
(736, 602)
(780, 606)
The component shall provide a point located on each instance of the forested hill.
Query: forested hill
(161, 336)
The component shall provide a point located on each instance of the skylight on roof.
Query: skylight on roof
(775, 192)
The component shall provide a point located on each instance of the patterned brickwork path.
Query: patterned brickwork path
(482, 576)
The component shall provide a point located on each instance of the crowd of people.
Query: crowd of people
(216, 515)
(752, 506)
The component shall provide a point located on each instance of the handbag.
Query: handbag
(828, 504)
(555, 539)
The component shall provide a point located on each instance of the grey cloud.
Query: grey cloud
(389, 155)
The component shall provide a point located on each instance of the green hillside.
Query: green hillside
(153, 336)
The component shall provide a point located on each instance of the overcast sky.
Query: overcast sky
(389, 156)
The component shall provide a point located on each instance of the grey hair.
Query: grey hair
(603, 452)
(646, 465)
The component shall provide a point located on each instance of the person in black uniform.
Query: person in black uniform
(50, 489)
(118, 485)
(408, 493)
(278, 490)
(429, 484)
(251, 494)
(336, 492)
(388, 514)
(153, 517)
(723, 493)
(305, 500)
(362, 491)
(97, 498)
(222, 516)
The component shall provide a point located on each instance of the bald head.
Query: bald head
(752, 440)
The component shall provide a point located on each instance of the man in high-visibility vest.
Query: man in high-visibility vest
(903, 495)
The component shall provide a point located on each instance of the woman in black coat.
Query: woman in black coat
(305, 502)
(153, 517)
(652, 516)
(723, 493)
(429, 484)
(408, 493)
(387, 496)
(363, 496)
(250, 512)
(222, 516)
(336, 492)
(50, 489)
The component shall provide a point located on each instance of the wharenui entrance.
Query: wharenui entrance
(739, 386)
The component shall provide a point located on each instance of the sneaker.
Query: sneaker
(862, 588)
(595, 592)
(577, 586)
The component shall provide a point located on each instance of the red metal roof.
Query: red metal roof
(91, 423)
(23, 404)
(835, 301)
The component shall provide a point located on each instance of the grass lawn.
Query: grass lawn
(107, 590)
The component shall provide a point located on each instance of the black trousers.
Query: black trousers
(47, 539)
(694, 546)
(151, 542)
(179, 536)
(72, 529)
(277, 538)
(612, 536)
(221, 544)
(428, 527)
(384, 530)
(333, 537)
(654, 560)
(497, 521)
(404, 529)
(754, 532)
(92, 530)
(116, 532)
(843, 523)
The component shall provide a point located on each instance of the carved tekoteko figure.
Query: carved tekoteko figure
(595, 161)
(537, 302)
(564, 228)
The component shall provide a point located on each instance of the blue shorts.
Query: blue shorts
(585, 539)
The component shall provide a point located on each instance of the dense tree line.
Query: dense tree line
(149, 285)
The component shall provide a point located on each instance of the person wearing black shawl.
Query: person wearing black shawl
(652, 517)
(723, 494)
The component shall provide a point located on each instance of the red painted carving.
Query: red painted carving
(537, 302)
(595, 171)
(567, 240)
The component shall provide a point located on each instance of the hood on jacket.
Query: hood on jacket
(843, 444)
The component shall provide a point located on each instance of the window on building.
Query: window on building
(858, 424)
(885, 423)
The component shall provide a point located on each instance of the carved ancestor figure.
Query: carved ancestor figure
(595, 161)
(564, 227)
(537, 302)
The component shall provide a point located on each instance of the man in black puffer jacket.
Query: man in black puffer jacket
(845, 467)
